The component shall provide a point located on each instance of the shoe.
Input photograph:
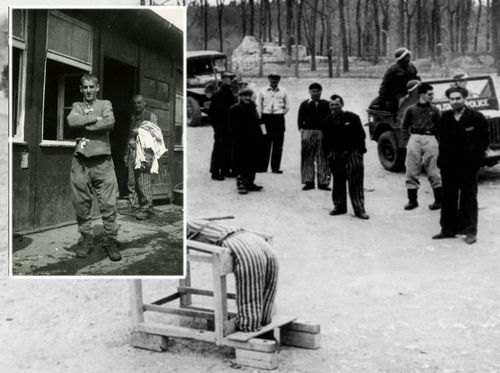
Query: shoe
(442, 235)
(217, 177)
(337, 212)
(254, 188)
(470, 239)
(129, 210)
(85, 246)
(308, 186)
(324, 187)
(144, 214)
(228, 174)
(278, 172)
(242, 191)
(436, 205)
(362, 215)
(110, 245)
(412, 199)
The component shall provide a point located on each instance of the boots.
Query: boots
(86, 245)
(412, 199)
(437, 199)
(110, 245)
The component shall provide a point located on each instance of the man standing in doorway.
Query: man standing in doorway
(273, 103)
(312, 112)
(139, 179)
(92, 168)
(463, 141)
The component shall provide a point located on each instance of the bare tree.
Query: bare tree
(310, 28)
(269, 21)
(278, 21)
(435, 39)
(220, 13)
(410, 12)
(359, 30)
(243, 6)
(385, 8)
(488, 22)
(466, 10)
(343, 36)
(288, 32)
(377, 31)
(495, 32)
(252, 17)
(478, 20)
(205, 25)
(401, 23)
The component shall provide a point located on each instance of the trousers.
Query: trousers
(311, 154)
(273, 143)
(422, 150)
(348, 170)
(89, 176)
(139, 184)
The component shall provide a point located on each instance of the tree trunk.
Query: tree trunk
(297, 34)
(435, 39)
(243, 6)
(262, 22)
(205, 25)
(252, 18)
(359, 32)
(269, 21)
(495, 32)
(377, 31)
(488, 23)
(343, 37)
(288, 32)
(367, 30)
(464, 23)
(329, 46)
(349, 28)
(278, 21)
(300, 7)
(418, 30)
(384, 6)
(220, 13)
(323, 29)
(313, 32)
(401, 24)
(478, 20)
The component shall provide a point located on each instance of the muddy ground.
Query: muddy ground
(388, 298)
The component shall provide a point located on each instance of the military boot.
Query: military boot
(86, 244)
(437, 199)
(110, 245)
(412, 199)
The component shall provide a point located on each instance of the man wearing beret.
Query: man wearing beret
(246, 134)
(273, 103)
(463, 141)
(222, 100)
(397, 76)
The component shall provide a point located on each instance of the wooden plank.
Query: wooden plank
(178, 311)
(220, 298)
(167, 299)
(158, 343)
(303, 326)
(300, 339)
(278, 321)
(208, 293)
(204, 247)
(229, 313)
(176, 332)
(199, 258)
(257, 359)
(136, 305)
(254, 344)
(186, 299)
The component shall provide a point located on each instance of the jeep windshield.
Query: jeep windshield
(481, 93)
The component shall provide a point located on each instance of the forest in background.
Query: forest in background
(367, 29)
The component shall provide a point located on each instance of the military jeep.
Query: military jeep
(385, 127)
(204, 69)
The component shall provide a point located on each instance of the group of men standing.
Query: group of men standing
(450, 146)
(93, 170)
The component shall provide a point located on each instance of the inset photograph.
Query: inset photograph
(96, 130)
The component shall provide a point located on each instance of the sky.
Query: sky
(174, 15)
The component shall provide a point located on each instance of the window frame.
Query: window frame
(21, 44)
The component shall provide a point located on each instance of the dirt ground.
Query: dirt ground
(388, 298)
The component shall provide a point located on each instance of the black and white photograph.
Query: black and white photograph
(336, 187)
(97, 152)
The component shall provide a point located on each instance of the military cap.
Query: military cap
(400, 53)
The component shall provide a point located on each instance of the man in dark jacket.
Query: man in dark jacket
(312, 112)
(463, 142)
(222, 100)
(344, 144)
(393, 86)
(246, 134)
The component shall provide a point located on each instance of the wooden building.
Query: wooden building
(130, 51)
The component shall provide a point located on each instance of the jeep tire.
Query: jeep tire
(193, 112)
(390, 155)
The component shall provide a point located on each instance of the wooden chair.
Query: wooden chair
(250, 349)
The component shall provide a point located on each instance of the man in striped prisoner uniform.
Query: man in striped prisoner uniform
(312, 112)
(139, 180)
(344, 145)
(255, 270)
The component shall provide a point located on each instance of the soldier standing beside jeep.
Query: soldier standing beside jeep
(420, 129)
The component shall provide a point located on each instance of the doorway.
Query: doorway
(119, 82)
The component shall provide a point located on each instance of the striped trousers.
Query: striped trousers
(311, 153)
(255, 270)
(347, 168)
(139, 184)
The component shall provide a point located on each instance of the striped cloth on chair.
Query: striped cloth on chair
(255, 270)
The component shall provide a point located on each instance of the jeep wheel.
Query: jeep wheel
(193, 112)
(391, 157)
